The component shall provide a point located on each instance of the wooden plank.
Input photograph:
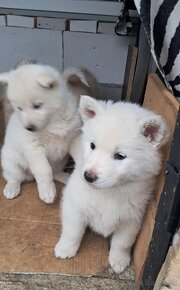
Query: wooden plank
(129, 73)
(140, 76)
(161, 101)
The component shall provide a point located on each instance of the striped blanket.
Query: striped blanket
(161, 20)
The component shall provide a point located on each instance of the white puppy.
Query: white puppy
(41, 129)
(117, 161)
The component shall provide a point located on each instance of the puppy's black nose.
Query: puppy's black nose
(31, 128)
(90, 176)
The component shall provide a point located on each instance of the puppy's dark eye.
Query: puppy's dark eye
(37, 106)
(92, 145)
(19, 109)
(119, 156)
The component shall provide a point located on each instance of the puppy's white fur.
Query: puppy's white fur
(113, 199)
(42, 102)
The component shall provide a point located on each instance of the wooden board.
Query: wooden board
(141, 70)
(161, 101)
(129, 72)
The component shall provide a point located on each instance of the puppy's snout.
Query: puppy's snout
(90, 176)
(31, 128)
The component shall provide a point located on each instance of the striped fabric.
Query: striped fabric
(161, 20)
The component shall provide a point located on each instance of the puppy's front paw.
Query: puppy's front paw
(65, 250)
(47, 192)
(119, 261)
(11, 190)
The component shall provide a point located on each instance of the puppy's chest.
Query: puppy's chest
(105, 215)
(56, 147)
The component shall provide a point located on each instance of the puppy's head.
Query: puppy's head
(34, 91)
(120, 142)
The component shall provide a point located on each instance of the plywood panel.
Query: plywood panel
(162, 102)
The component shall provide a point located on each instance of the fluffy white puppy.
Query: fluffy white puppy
(117, 161)
(41, 129)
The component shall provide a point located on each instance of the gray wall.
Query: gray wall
(18, 43)
(104, 54)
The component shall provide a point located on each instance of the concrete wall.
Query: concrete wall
(18, 43)
(104, 54)
(91, 44)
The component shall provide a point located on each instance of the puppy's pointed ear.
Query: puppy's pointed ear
(4, 77)
(89, 107)
(155, 130)
(47, 80)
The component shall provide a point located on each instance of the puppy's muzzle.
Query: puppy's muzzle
(90, 176)
(31, 128)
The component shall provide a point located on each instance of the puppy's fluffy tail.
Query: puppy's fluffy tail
(81, 82)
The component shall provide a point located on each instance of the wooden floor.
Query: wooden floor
(29, 230)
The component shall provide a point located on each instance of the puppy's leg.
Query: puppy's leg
(121, 243)
(14, 177)
(73, 228)
(12, 172)
(42, 172)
